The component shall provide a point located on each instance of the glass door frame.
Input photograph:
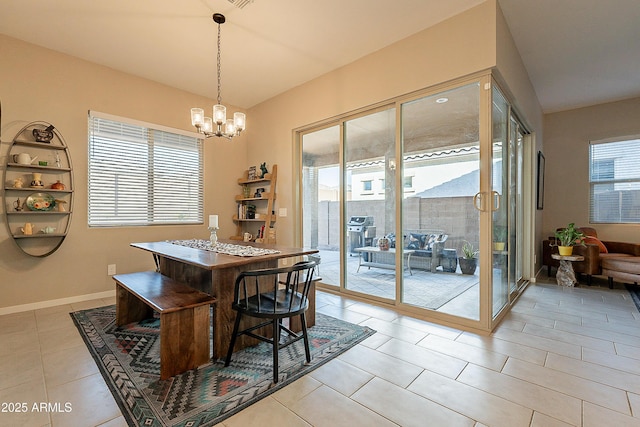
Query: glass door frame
(486, 320)
(527, 249)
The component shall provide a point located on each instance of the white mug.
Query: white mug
(247, 237)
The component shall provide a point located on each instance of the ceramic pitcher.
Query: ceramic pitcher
(27, 229)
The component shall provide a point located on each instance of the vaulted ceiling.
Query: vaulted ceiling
(577, 52)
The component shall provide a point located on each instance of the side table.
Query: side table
(565, 275)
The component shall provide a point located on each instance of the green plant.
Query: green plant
(468, 251)
(499, 233)
(569, 236)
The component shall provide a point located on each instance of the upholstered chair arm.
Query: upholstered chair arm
(591, 263)
(547, 250)
(623, 248)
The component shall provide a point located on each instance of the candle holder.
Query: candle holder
(214, 236)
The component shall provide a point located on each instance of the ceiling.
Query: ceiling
(577, 52)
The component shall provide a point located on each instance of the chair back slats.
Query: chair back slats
(275, 290)
(273, 294)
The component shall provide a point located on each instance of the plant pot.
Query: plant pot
(565, 250)
(383, 243)
(468, 265)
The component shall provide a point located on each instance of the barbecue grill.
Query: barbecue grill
(357, 227)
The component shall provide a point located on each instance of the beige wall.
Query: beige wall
(514, 80)
(475, 40)
(457, 47)
(60, 89)
(39, 84)
(566, 148)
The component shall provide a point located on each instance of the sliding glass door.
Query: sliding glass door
(441, 169)
(419, 203)
(370, 206)
(321, 199)
(507, 202)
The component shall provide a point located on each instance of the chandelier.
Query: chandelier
(219, 126)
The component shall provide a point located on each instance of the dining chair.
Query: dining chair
(273, 294)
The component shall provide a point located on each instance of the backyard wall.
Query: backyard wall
(455, 216)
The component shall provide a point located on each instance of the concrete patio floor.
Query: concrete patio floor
(452, 293)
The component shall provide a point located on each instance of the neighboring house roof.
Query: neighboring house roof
(463, 186)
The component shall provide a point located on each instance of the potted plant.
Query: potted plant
(468, 262)
(499, 237)
(567, 238)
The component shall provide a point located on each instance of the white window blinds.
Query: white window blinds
(143, 174)
(614, 180)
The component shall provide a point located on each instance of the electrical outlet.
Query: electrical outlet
(285, 261)
(111, 269)
(282, 212)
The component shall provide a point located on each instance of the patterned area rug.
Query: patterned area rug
(634, 290)
(129, 360)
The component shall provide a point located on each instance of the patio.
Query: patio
(452, 293)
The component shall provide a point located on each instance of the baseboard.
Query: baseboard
(55, 302)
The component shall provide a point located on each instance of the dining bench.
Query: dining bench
(184, 317)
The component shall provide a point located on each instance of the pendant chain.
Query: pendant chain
(219, 84)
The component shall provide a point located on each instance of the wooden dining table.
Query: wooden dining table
(215, 274)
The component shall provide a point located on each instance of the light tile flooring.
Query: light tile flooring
(562, 357)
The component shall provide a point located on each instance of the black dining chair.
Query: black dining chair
(274, 294)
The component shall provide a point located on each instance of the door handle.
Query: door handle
(477, 202)
(496, 198)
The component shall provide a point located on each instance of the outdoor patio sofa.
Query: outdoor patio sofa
(429, 254)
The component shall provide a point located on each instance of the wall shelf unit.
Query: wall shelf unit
(264, 208)
(30, 201)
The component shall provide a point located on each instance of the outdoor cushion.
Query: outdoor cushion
(431, 239)
(416, 241)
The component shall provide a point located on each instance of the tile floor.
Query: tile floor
(562, 357)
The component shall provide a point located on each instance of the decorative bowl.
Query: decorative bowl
(40, 202)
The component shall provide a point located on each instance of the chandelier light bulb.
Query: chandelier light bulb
(240, 120)
(197, 117)
(219, 114)
(208, 125)
(230, 127)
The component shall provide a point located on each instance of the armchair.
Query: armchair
(594, 252)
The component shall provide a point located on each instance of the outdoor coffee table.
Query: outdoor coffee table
(373, 254)
(565, 275)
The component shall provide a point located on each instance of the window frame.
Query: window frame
(171, 165)
(609, 183)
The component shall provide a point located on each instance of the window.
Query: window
(143, 174)
(366, 186)
(614, 180)
(408, 182)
